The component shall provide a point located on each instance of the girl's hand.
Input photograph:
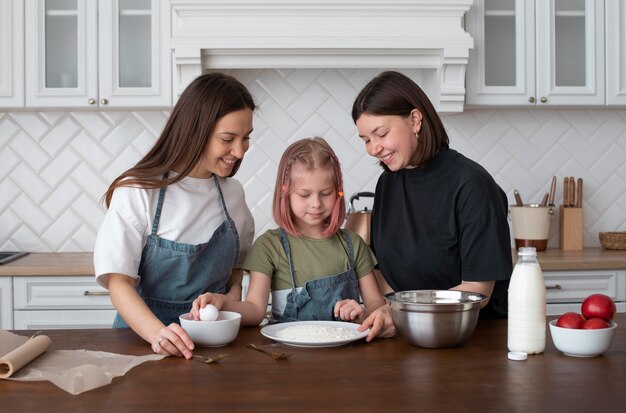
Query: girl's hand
(380, 323)
(173, 340)
(348, 310)
(207, 298)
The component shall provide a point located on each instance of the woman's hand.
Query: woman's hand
(348, 310)
(207, 298)
(173, 340)
(380, 323)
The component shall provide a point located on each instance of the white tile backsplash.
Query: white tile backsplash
(55, 166)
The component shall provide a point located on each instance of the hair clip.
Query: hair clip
(340, 193)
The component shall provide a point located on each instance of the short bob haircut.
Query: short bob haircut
(184, 139)
(392, 93)
(314, 154)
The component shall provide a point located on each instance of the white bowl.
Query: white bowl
(212, 333)
(582, 343)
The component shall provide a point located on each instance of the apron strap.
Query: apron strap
(219, 189)
(285, 241)
(350, 248)
(230, 221)
(157, 214)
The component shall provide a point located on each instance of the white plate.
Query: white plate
(271, 332)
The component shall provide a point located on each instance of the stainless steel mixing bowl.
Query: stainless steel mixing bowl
(435, 318)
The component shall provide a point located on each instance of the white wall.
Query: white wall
(55, 166)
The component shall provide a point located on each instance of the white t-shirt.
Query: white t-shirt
(191, 213)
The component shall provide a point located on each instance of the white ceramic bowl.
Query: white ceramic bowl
(582, 343)
(212, 333)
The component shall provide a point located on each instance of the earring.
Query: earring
(417, 136)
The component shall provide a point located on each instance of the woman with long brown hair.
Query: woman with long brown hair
(177, 226)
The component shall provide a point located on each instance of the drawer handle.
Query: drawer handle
(93, 293)
(554, 287)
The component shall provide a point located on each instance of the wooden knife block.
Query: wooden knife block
(571, 228)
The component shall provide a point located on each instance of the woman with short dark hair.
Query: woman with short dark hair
(439, 220)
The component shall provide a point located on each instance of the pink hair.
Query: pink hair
(314, 154)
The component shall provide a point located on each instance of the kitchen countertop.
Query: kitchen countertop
(387, 375)
(81, 263)
(50, 263)
(585, 259)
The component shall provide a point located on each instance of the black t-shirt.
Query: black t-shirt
(435, 226)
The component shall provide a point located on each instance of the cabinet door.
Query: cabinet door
(61, 53)
(48, 293)
(63, 319)
(570, 52)
(60, 302)
(501, 67)
(616, 52)
(11, 53)
(6, 303)
(575, 286)
(134, 53)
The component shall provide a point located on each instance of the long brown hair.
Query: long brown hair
(392, 93)
(314, 154)
(187, 132)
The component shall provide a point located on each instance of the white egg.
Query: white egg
(209, 313)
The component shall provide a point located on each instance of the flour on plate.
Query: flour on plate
(316, 334)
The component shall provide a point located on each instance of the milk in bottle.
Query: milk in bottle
(527, 305)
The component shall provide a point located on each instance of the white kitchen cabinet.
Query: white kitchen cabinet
(616, 52)
(536, 52)
(566, 290)
(60, 302)
(63, 319)
(6, 303)
(11, 53)
(90, 53)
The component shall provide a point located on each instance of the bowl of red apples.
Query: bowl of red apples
(588, 333)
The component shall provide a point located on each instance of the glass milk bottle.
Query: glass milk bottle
(527, 305)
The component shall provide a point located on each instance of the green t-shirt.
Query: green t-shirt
(312, 258)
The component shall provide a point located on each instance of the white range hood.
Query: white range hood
(417, 34)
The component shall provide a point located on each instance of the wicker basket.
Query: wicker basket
(613, 240)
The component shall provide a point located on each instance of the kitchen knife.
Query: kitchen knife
(579, 193)
(571, 191)
(552, 191)
(565, 189)
(544, 201)
(518, 198)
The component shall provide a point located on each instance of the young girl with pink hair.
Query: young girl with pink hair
(313, 269)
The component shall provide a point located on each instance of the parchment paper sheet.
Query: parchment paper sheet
(75, 371)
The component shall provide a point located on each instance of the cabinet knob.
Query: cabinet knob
(91, 101)
(543, 99)
(104, 101)
(531, 99)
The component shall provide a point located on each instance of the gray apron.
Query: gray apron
(317, 299)
(173, 274)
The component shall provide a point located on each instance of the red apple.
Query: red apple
(595, 323)
(600, 306)
(570, 320)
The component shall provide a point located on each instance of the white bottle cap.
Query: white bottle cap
(517, 355)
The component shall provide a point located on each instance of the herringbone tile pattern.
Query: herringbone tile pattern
(55, 166)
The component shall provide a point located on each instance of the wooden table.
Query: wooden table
(387, 375)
